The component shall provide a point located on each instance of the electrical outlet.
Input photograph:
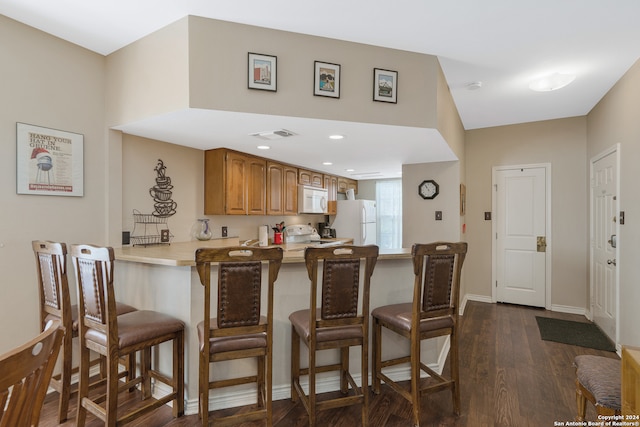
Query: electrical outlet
(126, 237)
(224, 231)
(487, 216)
(438, 215)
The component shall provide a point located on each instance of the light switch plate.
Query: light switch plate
(487, 216)
(438, 215)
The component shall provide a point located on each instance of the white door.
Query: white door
(521, 237)
(604, 222)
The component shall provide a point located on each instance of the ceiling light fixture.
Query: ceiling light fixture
(263, 147)
(327, 163)
(336, 137)
(551, 82)
(474, 85)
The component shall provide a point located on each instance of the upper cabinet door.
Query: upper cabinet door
(256, 186)
(236, 184)
(290, 200)
(275, 188)
(307, 177)
(282, 189)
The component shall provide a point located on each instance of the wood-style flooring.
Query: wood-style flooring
(509, 377)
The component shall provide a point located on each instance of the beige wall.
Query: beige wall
(561, 143)
(202, 63)
(149, 77)
(218, 75)
(52, 83)
(418, 215)
(615, 120)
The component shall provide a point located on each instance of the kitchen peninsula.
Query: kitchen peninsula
(164, 278)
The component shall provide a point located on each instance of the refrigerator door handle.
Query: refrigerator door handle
(364, 233)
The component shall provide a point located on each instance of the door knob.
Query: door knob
(611, 262)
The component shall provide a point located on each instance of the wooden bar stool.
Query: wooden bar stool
(24, 377)
(433, 313)
(240, 330)
(55, 303)
(112, 336)
(341, 321)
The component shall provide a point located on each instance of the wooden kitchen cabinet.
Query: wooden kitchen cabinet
(345, 184)
(234, 184)
(282, 189)
(312, 178)
(331, 184)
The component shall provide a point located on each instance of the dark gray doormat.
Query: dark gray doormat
(583, 334)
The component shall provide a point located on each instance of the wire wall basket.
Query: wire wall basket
(149, 229)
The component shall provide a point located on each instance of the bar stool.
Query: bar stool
(24, 377)
(55, 303)
(112, 336)
(598, 381)
(240, 330)
(341, 321)
(433, 313)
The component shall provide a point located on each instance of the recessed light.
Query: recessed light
(336, 137)
(349, 170)
(263, 147)
(327, 163)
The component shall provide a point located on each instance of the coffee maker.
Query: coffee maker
(325, 231)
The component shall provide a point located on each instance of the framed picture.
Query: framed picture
(263, 72)
(327, 79)
(49, 161)
(385, 85)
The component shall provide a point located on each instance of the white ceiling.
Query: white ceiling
(501, 43)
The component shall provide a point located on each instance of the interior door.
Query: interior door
(520, 227)
(604, 223)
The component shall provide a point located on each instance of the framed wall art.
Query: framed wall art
(49, 161)
(385, 85)
(263, 72)
(327, 79)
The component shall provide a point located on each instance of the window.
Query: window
(389, 204)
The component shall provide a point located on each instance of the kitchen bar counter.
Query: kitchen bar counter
(164, 278)
(183, 253)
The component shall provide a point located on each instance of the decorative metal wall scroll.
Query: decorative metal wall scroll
(161, 193)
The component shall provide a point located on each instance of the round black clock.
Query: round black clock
(428, 189)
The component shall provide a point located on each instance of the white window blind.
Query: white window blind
(389, 211)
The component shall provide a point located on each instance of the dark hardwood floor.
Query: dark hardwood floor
(509, 377)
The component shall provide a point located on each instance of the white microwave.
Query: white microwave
(312, 199)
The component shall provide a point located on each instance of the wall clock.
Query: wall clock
(428, 189)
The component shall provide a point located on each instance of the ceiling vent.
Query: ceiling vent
(274, 134)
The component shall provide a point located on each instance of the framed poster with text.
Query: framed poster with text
(49, 161)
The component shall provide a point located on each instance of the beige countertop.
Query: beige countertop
(183, 253)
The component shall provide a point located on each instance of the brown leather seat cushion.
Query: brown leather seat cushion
(232, 343)
(399, 316)
(120, 309)
(138, 326)
(300, 321)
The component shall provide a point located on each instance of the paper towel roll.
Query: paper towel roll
(263, 235)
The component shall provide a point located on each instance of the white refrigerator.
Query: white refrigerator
(356, 219)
